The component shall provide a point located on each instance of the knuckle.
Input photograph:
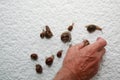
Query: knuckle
(91, 50)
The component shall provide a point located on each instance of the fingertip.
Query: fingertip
(101, 41)
(98, 45)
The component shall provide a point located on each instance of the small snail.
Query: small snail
(91, 28)
(66, 37)
(86, 42)
(59, 53)
(70, 28)
(34, 56)
(49, 60)
(42, 34)
(38, 68)
(48, 33)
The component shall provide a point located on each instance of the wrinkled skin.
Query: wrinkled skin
(83, 61)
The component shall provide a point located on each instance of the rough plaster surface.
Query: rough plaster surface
(21, 21)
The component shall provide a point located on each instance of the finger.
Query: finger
(100, 53)
(96, 46)
(80, 45)
(100, 43)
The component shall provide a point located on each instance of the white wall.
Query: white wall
(21, 21)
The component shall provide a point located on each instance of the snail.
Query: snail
(91, 28)
(66, 37)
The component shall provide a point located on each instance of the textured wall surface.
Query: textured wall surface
(21, 21)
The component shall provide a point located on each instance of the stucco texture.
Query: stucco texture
(21, 22)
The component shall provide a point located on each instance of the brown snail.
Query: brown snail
(91, 28)
(34, 56)
(86, 42)
(49, 60)
(59, 53)
(66, 37)
(38, 68)
(70, 28)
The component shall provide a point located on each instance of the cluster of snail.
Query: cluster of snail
(65, 37)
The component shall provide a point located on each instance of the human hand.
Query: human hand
(83, 61)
